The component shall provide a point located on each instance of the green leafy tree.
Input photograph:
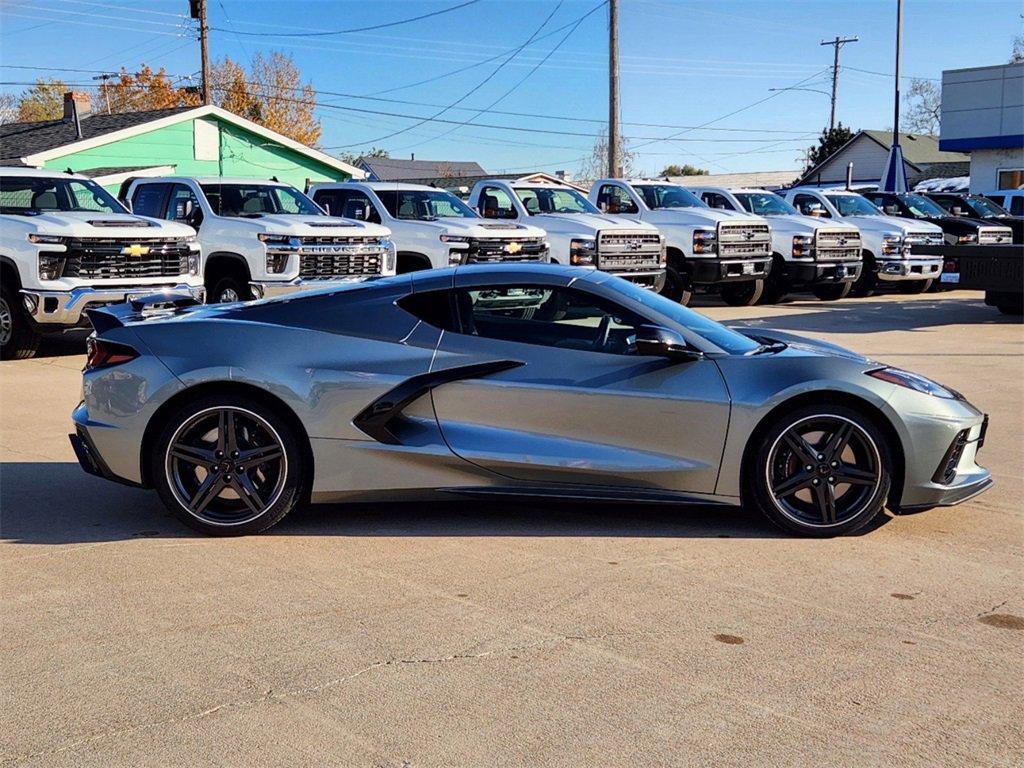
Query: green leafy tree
(828, 143)
(43, 101)
(683, 170)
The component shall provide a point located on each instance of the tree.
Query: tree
(271, 93)
(8, 108)
(923, 107)
(43, 101)
(142, 91)
(683, 170)
(1017, 55)
(828, 143)
(352, 157)
(595, 166)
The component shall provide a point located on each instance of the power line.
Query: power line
(357, 29)
(125, 8)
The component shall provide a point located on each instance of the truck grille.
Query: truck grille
(833, 245)
(327, 257)
(337, 240)
(743, 240)
(628, 250)
(506, 249)
(994, 235)
(924, 238)
(100, 258)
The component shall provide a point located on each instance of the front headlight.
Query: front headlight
(390, 254)
(663, 256)
(193, 263)
(965, 239)
(802, 245)
(891, 243)
(582, 252)
(913, 381)
(272, 241)
(454, 239)
(705, 241)
(51, 266)
(45, 239)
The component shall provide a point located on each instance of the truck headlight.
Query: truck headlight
(390, 254)
(582, 252)
(891, 243)
(51, 266)
(193, 263)
(705, 241)
(663, 256)
(802, 245)
(966, 239)
(454, 239)
(45, 239)
(277, 263)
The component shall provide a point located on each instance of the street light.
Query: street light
(812, 90)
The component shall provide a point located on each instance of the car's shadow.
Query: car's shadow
(57, 503)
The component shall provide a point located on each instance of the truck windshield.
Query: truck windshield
(32, 194)
(853, 205)
(921, 206)
(974, 205)
(546, 200)
(668, 196)
(424, 205)
(255, 200)
(765, 204)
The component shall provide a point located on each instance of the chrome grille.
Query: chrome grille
(338, 240)
(924, 238)
(101, 258)
(831, 245)
(995, 235)
(743, 240)
(506, 249)
(327, 266)
(628, 250)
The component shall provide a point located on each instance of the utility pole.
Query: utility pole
(838, 43)
(896, 105)
(614, 168)
(197, 10)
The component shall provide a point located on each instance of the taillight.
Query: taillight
(103, 354)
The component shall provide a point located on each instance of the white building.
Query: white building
(983, 114)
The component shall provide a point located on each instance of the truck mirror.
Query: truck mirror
(359, 210)
(892, 210)
(127, 204)
(958, 211)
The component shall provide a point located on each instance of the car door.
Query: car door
(568, 409)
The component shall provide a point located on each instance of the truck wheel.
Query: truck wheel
(1011, 309)
(18, 339)
(745, 294)
(866, 284)
(775, 285)
(677, 287)
(228, 289)
(832, 291)
(915, 286)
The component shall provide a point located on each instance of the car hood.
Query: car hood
(99, 224)
(697, 216)
(890, 224)
(801, 345)
(482, 228)
(809, 224)
(582, 222)
(299, 225)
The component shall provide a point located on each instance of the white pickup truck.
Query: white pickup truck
(808, 253)
(431, 227)
(894, 250)
(579, 234)
(263, 238)
(717, 251)
(66, 245)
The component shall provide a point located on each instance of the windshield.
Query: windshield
(424, 205)
(546, 200)
(981, 206)
(668, 196)
(922, 206)
(724, 338)
(765, 204)
(853, 205)
(31, 194)
(255, 200)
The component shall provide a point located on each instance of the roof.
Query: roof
(37, 143)
(919, 149)
(732, 190)
(393, 169)
(42, 173)
(752, 179)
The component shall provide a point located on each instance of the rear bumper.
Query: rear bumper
(90, 460)
(909, 269)
(66, 309)
(728, 270)
(266, 289)
(825, 271)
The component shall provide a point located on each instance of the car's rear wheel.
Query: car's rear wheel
(821, 471)
(745, 294)
(18, 339)
(832, 291)
(227, 465)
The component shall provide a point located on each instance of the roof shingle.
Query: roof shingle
(392, 169)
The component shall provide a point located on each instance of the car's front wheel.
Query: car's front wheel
(18, 339)
(820, 471)
(832, 291)
(227, 465)
(745, 294)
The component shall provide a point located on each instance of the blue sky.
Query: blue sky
(684, 63)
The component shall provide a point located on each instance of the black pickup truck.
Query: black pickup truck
(981, 208)
(998, 270)
(958, 230)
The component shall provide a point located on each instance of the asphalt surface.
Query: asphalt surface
(480, 634)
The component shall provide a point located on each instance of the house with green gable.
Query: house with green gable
(182, 141)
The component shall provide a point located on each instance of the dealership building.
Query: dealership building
(983, 115)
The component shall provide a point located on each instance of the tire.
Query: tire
(19, 339)
(832, 291)
(776, 286)
(911, 287)
(745, 294)
(229, 289)
(866, 284)
(677, 287)
(816, 502)
(195, 445)
(1011, 309)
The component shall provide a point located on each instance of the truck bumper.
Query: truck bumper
(53, 310)
(707, 271)
(654, 279)
(825, 271)
(909, 269)
(267, 289)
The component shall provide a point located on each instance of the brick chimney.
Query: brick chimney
(76, 101)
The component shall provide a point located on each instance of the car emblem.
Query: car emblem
(634, 245)
(842, 241)
(135, 249)
(748, 235)
(513, 247)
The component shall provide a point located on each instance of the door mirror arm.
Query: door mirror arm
(657, 341)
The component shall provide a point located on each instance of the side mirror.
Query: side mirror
(892, 210)
(656, 341)
(359, 211)
(958, 211)
(127, 204)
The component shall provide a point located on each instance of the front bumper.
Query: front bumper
(267, 289)
(653, 279)
(825, 271)
(707, 271)
(52, 310)
(908, 269)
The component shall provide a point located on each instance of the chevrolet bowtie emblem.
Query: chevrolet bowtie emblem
(513, 248)
(135, 250)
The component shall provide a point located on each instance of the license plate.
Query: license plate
(748, 269)
(950, 277)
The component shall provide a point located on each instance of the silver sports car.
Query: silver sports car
(512, 380)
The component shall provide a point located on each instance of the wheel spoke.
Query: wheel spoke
(793, 484)
(208, 490)
(261, 455)
(837, 441)
(825, 499)
(243, 486)
(201, 457)
(803, 450)
(855, 476)
(231, 439)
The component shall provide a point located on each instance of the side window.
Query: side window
(432, 307)
(287, 203)
(612, 198)
(496, 204)
(148, 200)
(1017, 205)
(715, 200)
(331, 200)
(178, 208)
(359, 206)
(809, 205)
(565, 318)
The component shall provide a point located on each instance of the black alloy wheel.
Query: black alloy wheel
(822, 472)
(228, 466)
